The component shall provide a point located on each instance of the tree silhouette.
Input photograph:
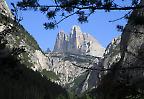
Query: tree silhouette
(82, 8)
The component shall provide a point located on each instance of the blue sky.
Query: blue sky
(98, 26)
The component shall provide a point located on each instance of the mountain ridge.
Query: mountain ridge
(78, 42)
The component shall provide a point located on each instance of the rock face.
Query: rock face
(77, 49)
(132, 46)
(18, 37)
(87, 80)
(4, 9)
(78, 43)
(71, 71)
(112, 53)
(125, 59)
(61, 42)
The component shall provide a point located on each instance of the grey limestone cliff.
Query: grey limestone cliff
(78, 43)
(61, 42)
(18, 37)
(124, 58)
(71, 70)
(77, 49)
(112, 53)
(4, 9)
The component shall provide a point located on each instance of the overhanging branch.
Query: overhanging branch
(110, 69)
(90, 7)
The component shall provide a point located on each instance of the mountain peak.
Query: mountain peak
(76, 30)
(61, 42)
(60, 34)
(78, 43)
(76, 27)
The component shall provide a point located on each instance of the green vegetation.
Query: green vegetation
(78, 81)
(17, 37)
(50, 75)
(79, 58)
(19, 82)
(135, 97)
(81, 78)
(26, 60)
(21, 35)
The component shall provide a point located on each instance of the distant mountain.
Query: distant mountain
(78, 43)
(70, 51)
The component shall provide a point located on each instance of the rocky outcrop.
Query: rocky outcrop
(4, 9)
(78, 43)
(112, 53)
(124, 61)
(33, 57)
(132, 45)
(58, 64)
(18, 37)
(88, 80)
(61, 42)
(71, 71)
(122, 64)
(72, 53)
(66, 65)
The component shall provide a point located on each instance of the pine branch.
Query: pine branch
(66, 17)
(110, 69)
(88, 7)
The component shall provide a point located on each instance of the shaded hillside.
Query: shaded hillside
(19, 82)
(125, 61)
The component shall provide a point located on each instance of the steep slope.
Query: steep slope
(112, 53)
(65, 65)
(20, 38)
(19, 82)
(125, 61)
(4, 9)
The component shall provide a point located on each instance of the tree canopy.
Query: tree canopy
(82, 8)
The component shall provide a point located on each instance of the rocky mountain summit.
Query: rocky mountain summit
(72, 53)
(78, 43)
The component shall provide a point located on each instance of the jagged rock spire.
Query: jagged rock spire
(78, 43)
(61, 42)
